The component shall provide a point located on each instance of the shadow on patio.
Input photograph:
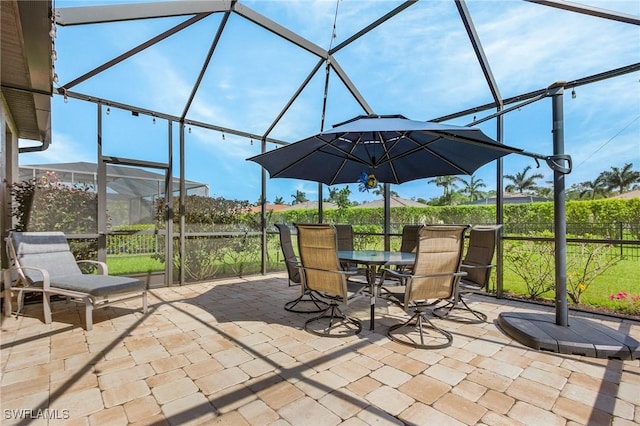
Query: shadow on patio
(227, 352)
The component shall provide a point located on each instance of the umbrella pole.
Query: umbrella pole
(562, 313)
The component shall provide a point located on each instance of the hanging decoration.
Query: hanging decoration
(367, 182)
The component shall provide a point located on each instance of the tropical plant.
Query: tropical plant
(521, 182)
(620, 179)
(379, 190)
(279, 201)
(299, 197)
(471, 188)
(339, 197)
(544, 192)
(448, 183)
(593, 189)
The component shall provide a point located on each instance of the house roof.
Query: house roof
(628, 195)
(393, 202)
(511, 198)
(26, 67)
(127, 182)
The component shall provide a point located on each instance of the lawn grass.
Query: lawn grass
(134, 264)
(622, 277)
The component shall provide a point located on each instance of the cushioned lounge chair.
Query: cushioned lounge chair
(42, 262)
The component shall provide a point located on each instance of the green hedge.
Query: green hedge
(582, 216)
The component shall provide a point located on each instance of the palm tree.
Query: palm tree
(339, 197)
(591, 189)
(472, 187)
(620, 179)
(299, 197)
(446, 182)
(279, 200)
(522, 182)
(380, 191)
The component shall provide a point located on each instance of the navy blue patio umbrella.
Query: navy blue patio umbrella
(393, 148)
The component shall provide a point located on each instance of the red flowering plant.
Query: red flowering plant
(626, 303)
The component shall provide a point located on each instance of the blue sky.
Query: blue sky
(419, 64)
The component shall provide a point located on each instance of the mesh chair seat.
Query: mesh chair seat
(433, 278)
(308, 302)
(321, 272)
(477, 263)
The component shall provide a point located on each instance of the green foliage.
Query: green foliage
(625, 303)
(361, 241)
(125, 265)
(620, 179)
(533, 262)
(241, 252)
(46, 204)
(339, 197)
(203, 258)
(206, 213)
(584, 264)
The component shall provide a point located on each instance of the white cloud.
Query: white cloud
(63, 149)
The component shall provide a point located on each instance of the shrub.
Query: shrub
(584, 265)
(534, 263)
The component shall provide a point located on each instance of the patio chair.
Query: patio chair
(344, 234)
(477, 264)
(410, 235)
(435, 272)
(321, 272)
(408, 244)
(42, 262)
(307, 302)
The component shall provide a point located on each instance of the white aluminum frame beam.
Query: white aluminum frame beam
(83, 15)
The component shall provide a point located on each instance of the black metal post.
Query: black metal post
(562, 311)
(387, 216)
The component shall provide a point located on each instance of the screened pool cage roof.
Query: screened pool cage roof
(334, 62)
(122, 182)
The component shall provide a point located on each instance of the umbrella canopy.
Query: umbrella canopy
(392, 148)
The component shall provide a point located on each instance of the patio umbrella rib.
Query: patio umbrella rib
(388, 155)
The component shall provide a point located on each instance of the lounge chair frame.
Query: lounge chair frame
(42, 262)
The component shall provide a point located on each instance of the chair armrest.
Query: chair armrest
(337, 271)
(46, 280)
(393, 273)
(467, 266)
(455, 274)
(405, 276)
(102, 267)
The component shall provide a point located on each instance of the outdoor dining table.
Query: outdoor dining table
(374, 259)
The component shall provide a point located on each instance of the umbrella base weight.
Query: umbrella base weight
(581, 337)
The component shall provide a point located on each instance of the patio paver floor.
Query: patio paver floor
(226, 352)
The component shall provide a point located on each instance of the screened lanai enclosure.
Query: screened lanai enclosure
(191, 89)
(132, 192)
